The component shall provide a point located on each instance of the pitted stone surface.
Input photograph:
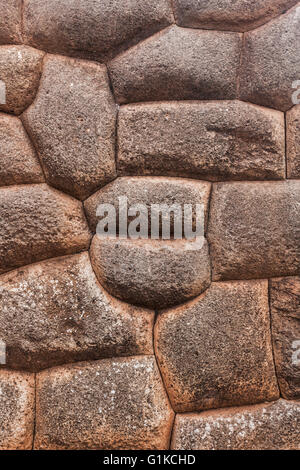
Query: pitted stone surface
(285, 311)
(38, 222)
(293, 142)
(271, 62)
(238, 15)
(148, 191)
(57, 312)
(72, 123)
(178, 64)
(216, 350)
(20, 70)
(254, 229)
(262, 427)
(153, 273)
(18, 160)
(10, 21)
(109, 404)
(92, 29)
(212, 140)
(16, 410)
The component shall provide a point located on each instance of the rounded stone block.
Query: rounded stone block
(216, 350)
(38, 222)
(264, 427)
(17, 397)
(92, 29)
(20, 70)
(254, 229)
(18, 161)
(271, 62)
(72, 123)
(153, 273)
(293, 142)
(178, 64)
(148, 191)
(56, 312)
(238, 15)
(115, 404)
(10, 21)
(217, 140)
(285, 312)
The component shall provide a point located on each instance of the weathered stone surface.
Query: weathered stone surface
(293, 142)
(213, 140)
(10, 21)
(18, 161)
(147, 191)
(109, 404)
(178, 64)
(285, 311)
(38, 222)
(56, 312)
(271, 62)
(20, 70)
(240, 15)
(16, 410)
(92, 29)
(216, 350)
(153, 273)
(261, 427)
(254, 229)
(72, 123)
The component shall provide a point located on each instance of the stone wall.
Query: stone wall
(150, 344)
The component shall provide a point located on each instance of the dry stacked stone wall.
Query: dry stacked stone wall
(150, 344)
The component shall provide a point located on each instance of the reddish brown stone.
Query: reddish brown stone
(285, 310)
(293, 142)
(147, 191)
(254, 229)
(72, 123)
(91, 29)
(16, 410)
(57, 312)
(216, 350)
(18, 161)
(110, 404)
(238, 15)
(212, 140)
(271, 62)
(10, 21)
(38, 222)
(20, 70)
(262, 427)
(153, 273)
(178, 64)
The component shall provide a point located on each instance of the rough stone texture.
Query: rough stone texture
(285, 311)
(213, 140)
(262, 427)
(178, 64)
(92, 29)
(147, 191)
(38, 222)
(20, 70)
(16, 410)
(18, 161)
(238, 15)
(293, 142)
(72, 123)
(110, 404)
(153, 273)
(57, 312)
(10, 21)
(271, 62)
(216, 350)
(254, 229)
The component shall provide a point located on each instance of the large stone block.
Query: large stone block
(293, 142)
(10, 21)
